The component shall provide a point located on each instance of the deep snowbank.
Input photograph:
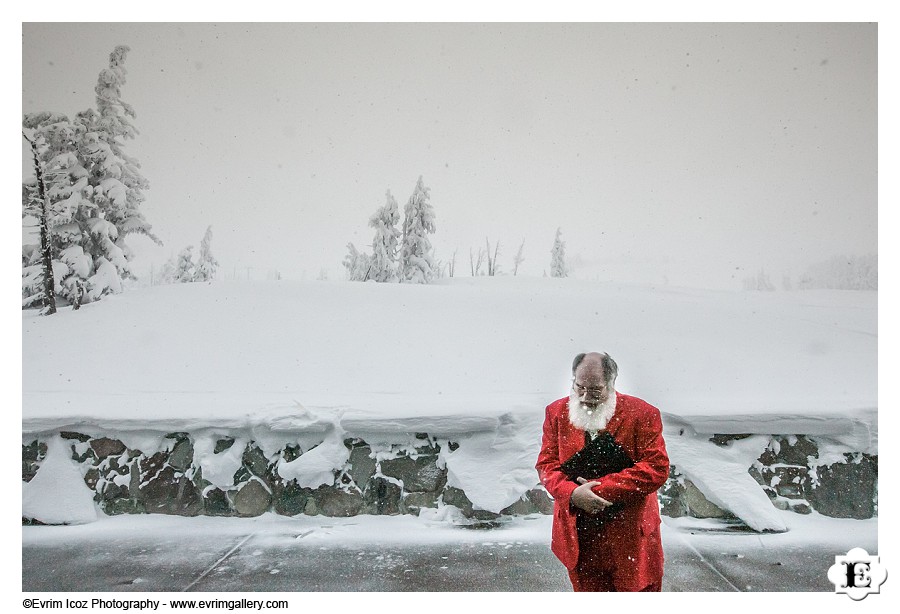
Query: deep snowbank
(473, 359)
(461, 347)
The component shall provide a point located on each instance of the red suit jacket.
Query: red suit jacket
(631, 536)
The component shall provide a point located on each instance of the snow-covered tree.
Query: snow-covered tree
(207, 265)
(558, 256)
(167, 274)
(358, 264)
(94, 190)
(185, 271)
(760, 282)
(416, 257)
(842, 273)
(386, 241)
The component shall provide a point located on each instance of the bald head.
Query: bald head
(594, 378)
(597, 362)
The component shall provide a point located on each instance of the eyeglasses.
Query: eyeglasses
(582, 390)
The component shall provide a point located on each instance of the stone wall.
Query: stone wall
(791, 476)
(409, 478)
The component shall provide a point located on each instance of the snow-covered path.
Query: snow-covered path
(404, 553)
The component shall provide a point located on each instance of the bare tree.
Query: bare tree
(451, 266)
(492, 269)
(475, 262)
(519, 258)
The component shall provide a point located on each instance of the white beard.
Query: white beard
(588, 419)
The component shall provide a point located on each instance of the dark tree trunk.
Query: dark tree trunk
(49, 300)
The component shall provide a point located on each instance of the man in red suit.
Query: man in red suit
(605, 523)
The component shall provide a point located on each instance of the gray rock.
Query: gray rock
(335, 502)
(456, 497)
(216, 503)
(223, 444)
(541, 500)
(171, 493)
(76, 436)
(92, 477)
(34, 451)
(522, 507)
(796, 453)
(419, 475)
(241, 475)
(782, 503)
(252, 499)
(291, 453)
(290, 499)
(413, 502)
(846, 490)
(792, 482)
(699, 506)
(362, 465)
(182, 455)
(800, 507)
(32, 454)
(111, 490)
(87, 456)
(671, 496)
(104, 447)
(134, 484)
(123, 506)
(255, 461)
(757, 475)
(151, 465)
(382, 497)
(484, 515)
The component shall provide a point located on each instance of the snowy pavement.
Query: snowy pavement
(381, 553)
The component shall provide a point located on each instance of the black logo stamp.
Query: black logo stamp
(857, 574)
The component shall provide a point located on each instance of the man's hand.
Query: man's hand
(584, 498)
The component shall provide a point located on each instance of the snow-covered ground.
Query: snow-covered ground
(477, 358)
(464, 347)
(169, 553)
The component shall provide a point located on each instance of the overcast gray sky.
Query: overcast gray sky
(687, 153)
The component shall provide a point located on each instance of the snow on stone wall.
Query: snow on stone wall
(71, 476)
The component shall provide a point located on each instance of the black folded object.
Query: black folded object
(600, 456)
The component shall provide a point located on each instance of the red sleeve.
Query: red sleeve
(651, 465)
(554, 480)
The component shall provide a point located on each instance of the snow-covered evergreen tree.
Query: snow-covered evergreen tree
(207, 265)
(759, 282)
(358, 264)
(167, 274)
(185, 269)
(386, 241)
(416, 257)
(558, 256)
(858, 272)
(94, 190)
